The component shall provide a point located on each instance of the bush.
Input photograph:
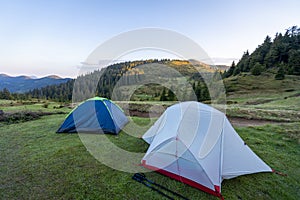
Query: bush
(16, 117)
(45, 105)
(280, 74)
(257, 69)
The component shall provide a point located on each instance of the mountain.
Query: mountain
(128, 75)
(53, 77)
(223, 68)
(21, 84)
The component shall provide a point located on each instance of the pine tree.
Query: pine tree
(230, 71)
(5, 94)
(205, 93)
(163, 95)
(280, 74)
(198, 91)
(294, 61)
(171, 95)
(257, 69)
(236, 71)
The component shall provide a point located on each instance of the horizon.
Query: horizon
(54, 38)
(33, 76)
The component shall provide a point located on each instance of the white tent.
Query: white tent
(196, 144)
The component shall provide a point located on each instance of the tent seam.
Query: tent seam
(198, 162)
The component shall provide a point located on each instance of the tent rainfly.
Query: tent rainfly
(95, 115)
(196, 144)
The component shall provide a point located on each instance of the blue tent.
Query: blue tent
(95, 115)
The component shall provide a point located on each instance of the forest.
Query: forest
(281, 54)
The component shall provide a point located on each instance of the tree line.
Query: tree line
(281, 54)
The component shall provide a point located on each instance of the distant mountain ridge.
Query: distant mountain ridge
(130, 74)
(21, 84)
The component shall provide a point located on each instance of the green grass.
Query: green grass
(13, 106)
(4, 102)
(37, 163)
(291, 103)
(248, 88)
(274, 113)
(263, 97)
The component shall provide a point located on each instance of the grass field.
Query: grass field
(47, 106)
(263, 97)
(36, 163)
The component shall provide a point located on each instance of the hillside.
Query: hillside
(21, 84)
(129, 75)
(248, 84)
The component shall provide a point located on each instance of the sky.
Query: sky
(54, 37)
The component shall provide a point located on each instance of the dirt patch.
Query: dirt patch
(260, 101)
(143, 109)
(235, 121)
(137, 113)
(243, 122)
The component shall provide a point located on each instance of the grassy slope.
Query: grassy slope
(36, 163)
(249, 89)
(263, 97)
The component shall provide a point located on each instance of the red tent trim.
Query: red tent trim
(215, 192)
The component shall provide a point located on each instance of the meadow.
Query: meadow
(37, 163)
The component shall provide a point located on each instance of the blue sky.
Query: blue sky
(39, 37)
